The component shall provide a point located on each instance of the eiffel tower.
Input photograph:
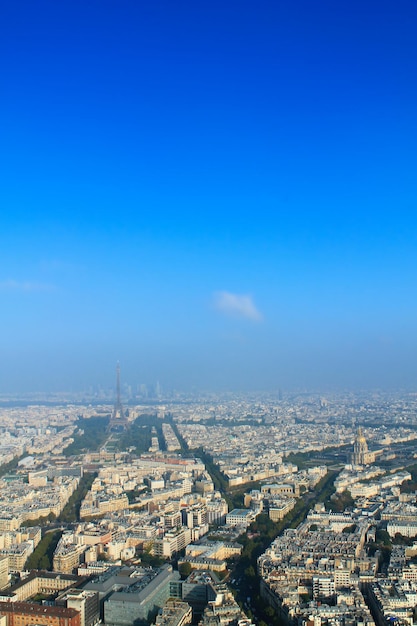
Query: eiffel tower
(118, 408)
(118, 419)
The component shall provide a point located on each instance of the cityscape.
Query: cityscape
(240, 509)
(208, 313)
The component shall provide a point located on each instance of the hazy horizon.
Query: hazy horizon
(219, 196)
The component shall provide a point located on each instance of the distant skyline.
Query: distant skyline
(217, 195)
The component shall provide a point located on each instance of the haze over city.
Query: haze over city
(218, 195)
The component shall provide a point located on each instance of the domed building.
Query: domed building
(361, 455)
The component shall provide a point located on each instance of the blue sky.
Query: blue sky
(217, 194)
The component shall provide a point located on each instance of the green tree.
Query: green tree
(91, 435)
(11, 465)
(41, 557)
(185, 569)
(383, 537)
(341, 502)
(71, 511)
(44, 562)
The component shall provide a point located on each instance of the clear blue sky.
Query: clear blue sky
(218, 194)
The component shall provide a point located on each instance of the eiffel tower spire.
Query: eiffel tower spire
(118, 408)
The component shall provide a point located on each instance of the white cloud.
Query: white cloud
(237, 305)
(24, 286)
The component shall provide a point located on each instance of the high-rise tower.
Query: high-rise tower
(118, 408)
(118, 421)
